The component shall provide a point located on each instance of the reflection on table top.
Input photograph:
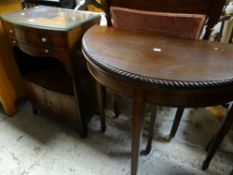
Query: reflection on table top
(50, 17)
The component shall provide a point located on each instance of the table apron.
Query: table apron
(173, 97)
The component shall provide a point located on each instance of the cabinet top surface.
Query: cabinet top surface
(51, 18)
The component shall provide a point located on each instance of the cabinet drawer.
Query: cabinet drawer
(36, 51)
(40, 37)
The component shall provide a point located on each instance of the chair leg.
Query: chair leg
(137, 123)
(153, 115)
(101, 93)
(225, 127)
(207, 148)
(176, 122)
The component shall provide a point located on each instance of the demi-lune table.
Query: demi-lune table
(149, 67)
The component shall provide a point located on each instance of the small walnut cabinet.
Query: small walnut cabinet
(61, 88)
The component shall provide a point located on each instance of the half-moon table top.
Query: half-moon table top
(159, 60)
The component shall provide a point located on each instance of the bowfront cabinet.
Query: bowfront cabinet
(53, 68)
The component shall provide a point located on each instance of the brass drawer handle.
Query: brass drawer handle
(46, 51)
(44, 40)
(11, 31)
(14, 42)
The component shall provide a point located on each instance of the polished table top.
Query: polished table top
(50, 18)
(158, 60)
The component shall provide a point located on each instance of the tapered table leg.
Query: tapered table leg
(137, 123)
(153, 115)
(101, 103)
(225, 127)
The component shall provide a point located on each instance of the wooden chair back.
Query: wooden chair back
(211, 8)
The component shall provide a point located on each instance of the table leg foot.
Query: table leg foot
(146, 151)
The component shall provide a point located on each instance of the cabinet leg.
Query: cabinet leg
(79, 89)
(9, 109)
(101, 103)
(115, 105)
(137, 123)
(225, 127)
(35, 111)
(83, 132)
